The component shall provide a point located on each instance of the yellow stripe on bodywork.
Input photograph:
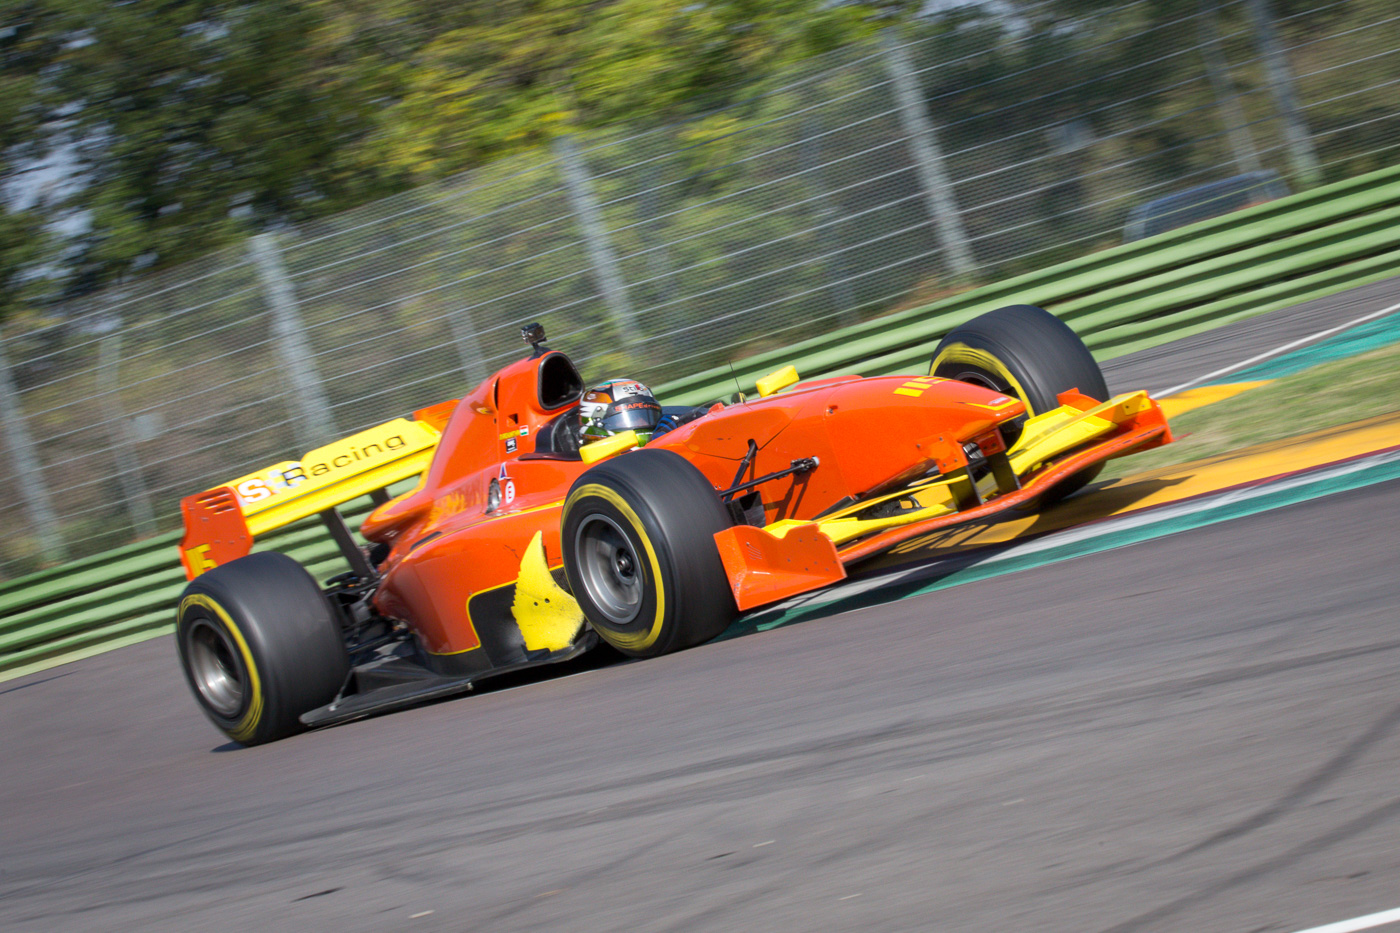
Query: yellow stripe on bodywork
(249, 723)
(1169, 484)
(316, 501)
(548, 617)
(1043, 438)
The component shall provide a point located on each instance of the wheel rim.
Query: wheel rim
(979, 378)
(610, 568)
(214, 667)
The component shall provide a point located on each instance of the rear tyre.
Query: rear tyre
(1027, 352)
(640, 556)
(260, 646)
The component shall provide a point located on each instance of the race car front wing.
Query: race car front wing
(790, 557)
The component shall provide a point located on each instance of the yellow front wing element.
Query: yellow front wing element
(1047, 436)
(1043, 438)
(548, 617)
(931, 500)
(338, 472)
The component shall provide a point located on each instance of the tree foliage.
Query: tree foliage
(188, 123)
(27, 46)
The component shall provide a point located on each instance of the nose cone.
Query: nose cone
(894, 426)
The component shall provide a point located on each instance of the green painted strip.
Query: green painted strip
(1370, 336)
(146, 565)
(154, 622)
(62, 644)
(1122, 532)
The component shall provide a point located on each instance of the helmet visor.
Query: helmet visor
(635, 413)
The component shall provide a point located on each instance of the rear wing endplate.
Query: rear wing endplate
(222, 522)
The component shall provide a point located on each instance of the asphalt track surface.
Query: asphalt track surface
(1198, 732)
(1191, 357)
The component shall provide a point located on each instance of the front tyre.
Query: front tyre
(640, 556)
(1027, 352)
(259, 645)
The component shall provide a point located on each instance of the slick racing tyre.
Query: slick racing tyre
(1027, 352)
(260, 646)
(639, 552)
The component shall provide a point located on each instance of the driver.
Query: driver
(618, 405)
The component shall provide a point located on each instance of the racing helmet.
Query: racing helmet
(617, 405)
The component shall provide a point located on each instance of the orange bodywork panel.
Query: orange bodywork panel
(764, 568)
(215, 530)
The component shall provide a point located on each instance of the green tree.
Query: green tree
(512, 78)
(195, 122)
(27, 45)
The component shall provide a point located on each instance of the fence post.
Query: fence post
(1295, 128)
(468, 348)
(313, 422)
(138, 499)
(828, 239)
(31, 479)
(928, 158)
(1236, 125)
(595, 239)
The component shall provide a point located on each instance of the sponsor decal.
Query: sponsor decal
(511, 444)
(292, 473)
(368, 450)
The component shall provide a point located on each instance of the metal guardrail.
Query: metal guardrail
(1119, 300)
(1134, 295)
(125, 595)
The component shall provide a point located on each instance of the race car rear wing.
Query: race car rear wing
(221, 523)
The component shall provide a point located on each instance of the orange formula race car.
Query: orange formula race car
(547, 519)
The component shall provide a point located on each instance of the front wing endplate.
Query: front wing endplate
(764, 568)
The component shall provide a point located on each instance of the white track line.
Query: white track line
(1277, 350)
(1360, 923)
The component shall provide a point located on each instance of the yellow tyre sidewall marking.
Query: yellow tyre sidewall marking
(249, 723)
(641, 640)
(962, 353)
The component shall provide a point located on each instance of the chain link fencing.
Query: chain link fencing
(880, 177)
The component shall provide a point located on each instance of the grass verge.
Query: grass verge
(1321, 397)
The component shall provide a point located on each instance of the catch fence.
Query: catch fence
(885, 176)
